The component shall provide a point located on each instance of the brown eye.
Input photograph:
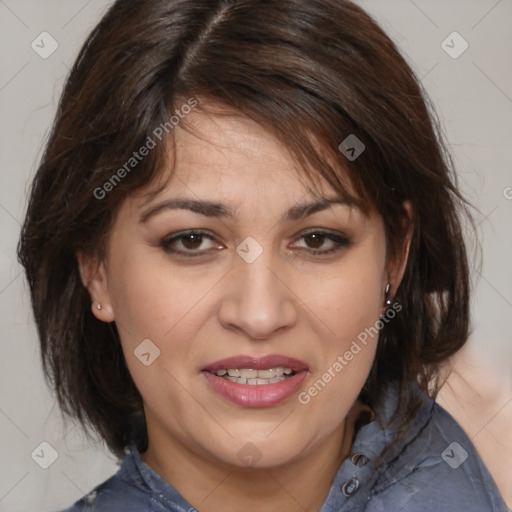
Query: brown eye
(315, 240)
(190, 243)
(320, 243)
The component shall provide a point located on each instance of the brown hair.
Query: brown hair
(310, 72)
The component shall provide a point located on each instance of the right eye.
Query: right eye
(189, 243)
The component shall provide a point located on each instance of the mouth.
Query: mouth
(254, 377)
(256, 381)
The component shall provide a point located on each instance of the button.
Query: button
(350, 487)
(359, 459)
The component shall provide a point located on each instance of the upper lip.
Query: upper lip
(257, 363)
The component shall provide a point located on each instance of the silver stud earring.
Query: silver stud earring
(98, 305)
(387, 301)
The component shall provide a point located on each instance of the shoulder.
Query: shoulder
(439, 469)
(134, 488)
(112, 495)
(124, 491)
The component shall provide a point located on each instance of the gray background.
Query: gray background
(473, 96)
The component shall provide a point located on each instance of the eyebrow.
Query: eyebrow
(219, 210)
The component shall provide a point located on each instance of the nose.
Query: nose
(258, 301)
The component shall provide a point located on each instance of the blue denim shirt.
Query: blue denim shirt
(438, 470)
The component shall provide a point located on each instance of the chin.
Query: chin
(258, 452)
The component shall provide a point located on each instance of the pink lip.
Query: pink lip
(256, 396)
(257, 363)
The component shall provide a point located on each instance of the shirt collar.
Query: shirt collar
(353, 480)
(358, 474)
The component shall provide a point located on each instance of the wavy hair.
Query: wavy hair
(310, 72)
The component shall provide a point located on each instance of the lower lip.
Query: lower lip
(259, 395)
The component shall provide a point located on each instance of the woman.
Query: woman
(245, 256)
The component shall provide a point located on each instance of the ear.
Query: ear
(396, 266)
(94, 277)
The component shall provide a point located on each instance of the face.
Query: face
(230, 272)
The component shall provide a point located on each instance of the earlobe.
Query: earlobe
(94, 278)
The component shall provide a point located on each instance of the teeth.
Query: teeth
(255, 377)
(248, 373)
(271, 373)
(254, 382)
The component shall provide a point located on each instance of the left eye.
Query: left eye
(315, 240)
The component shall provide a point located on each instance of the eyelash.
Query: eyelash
(341, 240)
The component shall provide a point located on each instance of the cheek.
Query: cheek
(347, 357)
(350, 300)
(149, 297)
(349, 305)
(352, 317)
(146, 309)
(155, 302)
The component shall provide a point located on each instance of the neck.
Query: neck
(295, 487)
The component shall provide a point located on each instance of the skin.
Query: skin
(198, 310)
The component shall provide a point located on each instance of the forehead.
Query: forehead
(232, 149)
(234, 156)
